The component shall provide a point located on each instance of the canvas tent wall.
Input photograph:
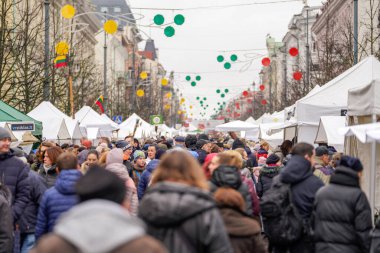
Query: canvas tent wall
(364, 108)
(10, 114)
(143, 128)
(328, 132)
(46, 112)
(331, 99)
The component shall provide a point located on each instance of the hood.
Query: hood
(84, 226)
(82, 156)
(345, 176)
(226, 176)
(296, 170)
(152, 165)
(238, 224)
(119, 169)
(66, 181)
(270, 171)
(115, 156)
(168, 204)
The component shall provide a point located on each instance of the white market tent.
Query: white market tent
(328, 131)
(88, 118)
(331, 99)
(251, 120)
(46, 112)
(110, 121)
(143, 128)
(275, 139)
(237, 125)
(6, 126)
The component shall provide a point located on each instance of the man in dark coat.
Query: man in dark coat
(6, 220)
(267, 173)
(14, 174)
(342, 214)
(298, 173)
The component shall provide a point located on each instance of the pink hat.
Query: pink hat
(262, 160)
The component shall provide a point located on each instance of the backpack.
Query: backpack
(281, 220)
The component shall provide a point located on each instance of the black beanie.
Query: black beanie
(201, 143)
(351, 162)
(273, 159)
(237, 144)
(99, 183)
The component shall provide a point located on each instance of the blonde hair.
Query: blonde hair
(265, 144)
(229, 197)
(231, 158)
(180, 166)
(103, 158)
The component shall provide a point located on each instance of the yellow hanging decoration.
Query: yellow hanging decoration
(167, 107)
(143, 75)
(164, 82)
(110, 26)
(140, 93)
(191, 107)
(169, 95)
(68, 11)
(179, 112)
(62, 48)
(182, 100)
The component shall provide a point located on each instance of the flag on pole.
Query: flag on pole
(99, 102)
(60, 61)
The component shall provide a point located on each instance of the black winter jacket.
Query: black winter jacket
(184, 218)
(201, 155)
(264, 182)
(28, 218)
(6, 220)
(14, 174)
(342, 215)
(299, 174)
(231, 177)
(49, 176)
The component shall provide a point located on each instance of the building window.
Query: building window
(117, 9)
(103, 9)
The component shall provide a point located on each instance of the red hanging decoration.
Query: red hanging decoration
(262, 87)
(229, 110)
(293, 51)
(297, 75)
(263, 102)
(249, 100)
(265, 62)
(245, 93)
(237, 105)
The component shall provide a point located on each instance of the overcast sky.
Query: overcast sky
(209, 32)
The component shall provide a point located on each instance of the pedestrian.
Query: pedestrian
(116, 166)
(138, 166)
(61, 197)
(203, 149)
(342, 214)
(225, 172)
(283, 150)
(322, 168)
(103, 202)
(28, 218)
(48, 169)
(267, 173)
(263, 151)
(127, 152)
(304, 185)
(179, 142)
(14, 175)
(6, 220)
(92, 158)
(205, 166)
(146, 178)
(152, 150)
(178, 209)
(243, 231)
(40, 155)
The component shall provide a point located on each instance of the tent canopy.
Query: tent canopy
(237, 125)
(10, 114)
(46, 112)
(364, 100)
(251, 120)
(144, 129)
(328, 131)
(365, 133)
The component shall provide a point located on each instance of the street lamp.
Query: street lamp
(46, 88)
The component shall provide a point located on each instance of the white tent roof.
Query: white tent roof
(110, 121)
(13, 137)
(251, 120)
(332, 97)
(365, 133)
(237, 125)
(87, 117)
(275, 139)
(144, 129)
(328, 131)
(274, 117)
(364, 100)
(46, 112)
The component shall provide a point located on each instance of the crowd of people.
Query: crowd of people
(187, 194)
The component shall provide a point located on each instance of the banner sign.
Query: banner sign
(156, 120)
(22, 126)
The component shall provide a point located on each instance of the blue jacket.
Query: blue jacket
(145, 177)
(28, 219)
(14, 174)
(299, 174)
(56, 201)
